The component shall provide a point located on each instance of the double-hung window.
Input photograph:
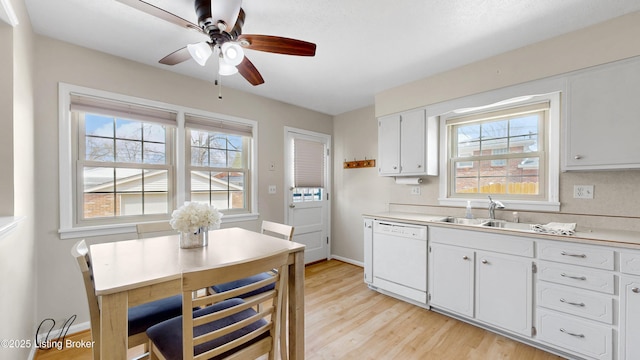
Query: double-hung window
(218, 154)
(125, 160)
(505, 151)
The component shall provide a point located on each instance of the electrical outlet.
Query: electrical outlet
(272, 189)
(583, 191)
(415, 190)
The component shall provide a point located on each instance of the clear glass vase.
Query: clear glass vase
(199, 238)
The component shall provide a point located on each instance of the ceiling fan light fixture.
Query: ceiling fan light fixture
(232, 53)
(200, 52)
(226, 69)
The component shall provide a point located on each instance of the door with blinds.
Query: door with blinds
(307, 177)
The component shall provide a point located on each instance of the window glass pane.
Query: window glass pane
(199, 138)
(154, 133)
(234, 159)
(524, 125)
(129, 151)
(154, 153)
(99, 149)
(466, 177)
(128, 129)
(468, 140)
(199, 156)
(98, 125)
(494, 130)
(129, 186)
(98, 198)
(217, 158)
(156, 192)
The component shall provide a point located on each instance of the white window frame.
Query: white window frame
(537, 91)
(69, 229)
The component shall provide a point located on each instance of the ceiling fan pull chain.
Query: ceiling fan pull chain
(219, 83)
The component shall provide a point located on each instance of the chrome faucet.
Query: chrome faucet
(493, 205)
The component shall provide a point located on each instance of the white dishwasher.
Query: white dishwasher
(400, 259)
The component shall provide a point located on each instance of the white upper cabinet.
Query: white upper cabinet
(603, 118)
(407, 144)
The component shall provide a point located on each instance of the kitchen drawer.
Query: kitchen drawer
(575, 334)
(584, 255)
(630, 263)
(576, 302)
(577, 276)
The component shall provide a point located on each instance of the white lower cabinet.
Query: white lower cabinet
(629, 317)
(451, 275)
(504, 291)
(575, 334)
(489, 286)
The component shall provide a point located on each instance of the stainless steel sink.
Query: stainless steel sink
(462, 221)
(496, 224)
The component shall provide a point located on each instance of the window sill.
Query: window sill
(8, 223)
(115, 229)
(543, 206)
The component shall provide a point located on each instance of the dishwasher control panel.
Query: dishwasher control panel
(398, 229)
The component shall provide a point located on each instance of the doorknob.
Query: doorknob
(292, 205)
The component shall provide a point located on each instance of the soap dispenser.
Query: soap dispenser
(468, 214)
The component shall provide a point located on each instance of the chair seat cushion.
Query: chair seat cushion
(143, 316)
(220, 288)
(167, 336)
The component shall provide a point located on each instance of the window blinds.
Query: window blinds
(308, 163)
(218, 125)
(95, 105)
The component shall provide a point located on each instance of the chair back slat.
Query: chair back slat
(285, 231)
(269, 318)
(153, 229)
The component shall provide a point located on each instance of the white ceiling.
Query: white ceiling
(363, 47)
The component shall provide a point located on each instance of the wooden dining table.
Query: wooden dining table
(128, 273)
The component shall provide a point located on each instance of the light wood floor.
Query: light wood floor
(346, 320)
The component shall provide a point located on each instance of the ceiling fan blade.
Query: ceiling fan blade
(176, 57)
(161, 13)
(249, 72)
(279, 45)
(227, 11)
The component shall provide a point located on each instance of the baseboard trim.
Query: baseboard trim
(347, 260)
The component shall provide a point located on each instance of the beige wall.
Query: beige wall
(17, 248)
(355, 135)
(60, 289)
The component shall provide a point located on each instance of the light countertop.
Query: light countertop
(610, 237)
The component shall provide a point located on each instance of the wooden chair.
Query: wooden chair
(268, 227)
(271, 228)
(140, 317)
(153, 229)
(230, 328)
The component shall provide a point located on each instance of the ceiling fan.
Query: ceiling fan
(222, 21)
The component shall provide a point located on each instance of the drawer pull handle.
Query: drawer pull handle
(636, 290)
(484, 261)
(574, 277)
(465, 257)
(572, 334)
(571, 303)
(564, 253)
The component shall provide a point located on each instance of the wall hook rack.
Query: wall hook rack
(359, 163)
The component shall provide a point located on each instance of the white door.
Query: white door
(307, 178)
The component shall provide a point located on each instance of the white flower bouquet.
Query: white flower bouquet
(193, 215)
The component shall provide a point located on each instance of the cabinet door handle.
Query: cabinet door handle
(571, 303)
(574, 277)
(465, 257)
(572, 334)
(419, 166)
(564, 253)
(636, 290)
(578, 157)
(484, 261)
